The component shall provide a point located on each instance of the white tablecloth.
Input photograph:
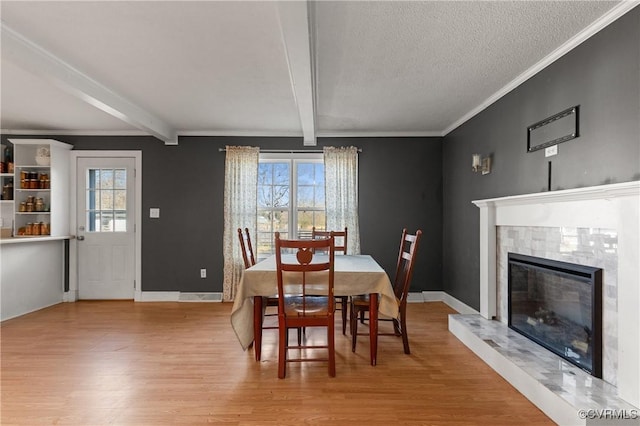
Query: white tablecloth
(359, 274)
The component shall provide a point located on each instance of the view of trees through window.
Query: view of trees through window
(107, 200)
(290, 200)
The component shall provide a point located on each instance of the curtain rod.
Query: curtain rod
(289, 151)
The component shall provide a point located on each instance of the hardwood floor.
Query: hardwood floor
(126, 363)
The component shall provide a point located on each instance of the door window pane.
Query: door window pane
(120, 199)
(106, 200)
(120, 180)
(106, 179)
(106, 221)
(120, 223)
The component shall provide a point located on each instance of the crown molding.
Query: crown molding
(605, 20)
(242, 133)
(75, 132)
(229, 133)
(374, 134)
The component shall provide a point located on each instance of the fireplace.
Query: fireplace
(597, 226)
(559, 306)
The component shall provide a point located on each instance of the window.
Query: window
(290, 197)
(106, 200)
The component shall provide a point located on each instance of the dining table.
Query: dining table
(353, 275)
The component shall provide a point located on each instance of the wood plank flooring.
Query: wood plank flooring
(126, 363)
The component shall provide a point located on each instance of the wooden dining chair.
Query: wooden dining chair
(402, 282)
(305, 297)
(246, 248)
(340, 238)
(249, 260)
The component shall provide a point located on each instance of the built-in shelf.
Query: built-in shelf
(53, 187)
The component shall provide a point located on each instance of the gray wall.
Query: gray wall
(400, 186)
(602, 76)
(422, 183)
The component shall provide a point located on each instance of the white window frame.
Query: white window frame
(294, 159)
(93, 210)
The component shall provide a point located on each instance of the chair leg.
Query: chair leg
(258, 321)
(332, 350)
(396, 327)
(354, 328)
(405, 337)
(344, 306)
(282, 351)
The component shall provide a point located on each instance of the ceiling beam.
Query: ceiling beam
(297, 40)
(37, 60)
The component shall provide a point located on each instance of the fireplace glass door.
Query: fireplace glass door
(558, 305)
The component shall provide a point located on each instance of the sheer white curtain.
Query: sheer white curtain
(341, 193)
(240, 206)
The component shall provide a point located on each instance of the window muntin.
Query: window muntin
(106, 205)
(290, 198)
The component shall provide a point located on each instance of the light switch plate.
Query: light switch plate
(551, 151)
(154, 212)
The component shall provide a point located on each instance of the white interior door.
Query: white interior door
(106, 227)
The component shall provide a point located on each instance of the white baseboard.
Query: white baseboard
(28, 311)
(70, 296)
(415, 298)
(158, 296)
(433, 296)
(200, 297)
(178, 296)
(441, 296)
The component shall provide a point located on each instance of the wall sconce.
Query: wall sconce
(479, 164)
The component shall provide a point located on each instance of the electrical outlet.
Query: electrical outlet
(203, 273)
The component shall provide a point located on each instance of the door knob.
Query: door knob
(80, 238)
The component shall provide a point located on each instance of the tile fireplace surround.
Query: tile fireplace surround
(596, 226)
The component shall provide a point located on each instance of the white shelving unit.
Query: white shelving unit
(6, 205)
(55, 198)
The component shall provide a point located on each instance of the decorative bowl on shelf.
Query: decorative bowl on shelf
(43, 156)
(43, 161)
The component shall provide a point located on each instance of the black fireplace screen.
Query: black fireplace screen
(559, 306)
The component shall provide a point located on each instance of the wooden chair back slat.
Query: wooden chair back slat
(340, 238)
(246, 248)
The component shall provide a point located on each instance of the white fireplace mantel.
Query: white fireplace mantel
(614, 206)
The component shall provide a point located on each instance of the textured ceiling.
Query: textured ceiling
(233, 68)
